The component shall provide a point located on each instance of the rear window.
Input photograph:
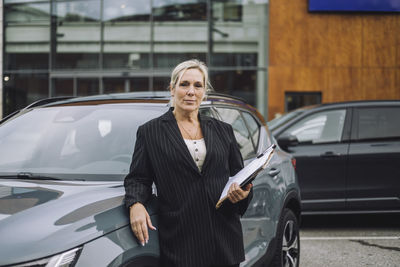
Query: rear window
(252, 126)
(378, 123)
(242, 135)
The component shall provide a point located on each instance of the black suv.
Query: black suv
(348, 156)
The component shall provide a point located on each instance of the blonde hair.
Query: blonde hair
(180, 69)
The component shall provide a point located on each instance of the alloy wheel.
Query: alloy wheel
(290, 245)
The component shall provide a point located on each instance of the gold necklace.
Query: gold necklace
(197, 131)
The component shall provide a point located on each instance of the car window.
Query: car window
(253, 127)
(84, 141)
(206, 112)
(285, 118)
(322, 127)
(240, 130)
(377, 123)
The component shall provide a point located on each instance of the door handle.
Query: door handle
(274, 172)
(330, 154)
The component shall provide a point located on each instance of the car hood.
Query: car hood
(43, 218)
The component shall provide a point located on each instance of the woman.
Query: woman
(190, 158)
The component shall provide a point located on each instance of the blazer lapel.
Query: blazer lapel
(172, 130)
(206, 129)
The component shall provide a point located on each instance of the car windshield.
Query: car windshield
(93, 142)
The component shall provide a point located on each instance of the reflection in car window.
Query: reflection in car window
(206, 112)
(87, 140)
(322, 127)
(375, 123)
(253, 127)
(234, 118)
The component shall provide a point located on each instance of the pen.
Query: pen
(265, 151)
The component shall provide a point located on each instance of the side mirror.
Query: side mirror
(285, 141)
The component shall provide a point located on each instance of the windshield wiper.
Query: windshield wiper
(29, 176)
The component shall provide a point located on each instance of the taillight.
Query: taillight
(294, 163)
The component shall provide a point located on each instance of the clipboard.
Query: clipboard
(248, 173)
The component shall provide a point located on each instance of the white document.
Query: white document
(248, 173)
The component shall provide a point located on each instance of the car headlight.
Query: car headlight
(64, 259)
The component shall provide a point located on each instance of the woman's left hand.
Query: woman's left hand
(236, 194)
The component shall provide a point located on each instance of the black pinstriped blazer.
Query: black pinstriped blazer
(191, 231)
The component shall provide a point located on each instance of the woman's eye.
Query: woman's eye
(198, 85)
(183, 84)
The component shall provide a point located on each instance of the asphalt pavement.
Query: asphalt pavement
(350, 240)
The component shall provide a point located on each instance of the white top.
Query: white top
(197, 149)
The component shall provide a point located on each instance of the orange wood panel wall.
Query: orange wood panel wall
(353, 56)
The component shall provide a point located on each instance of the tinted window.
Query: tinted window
(378, 123)
(322, 127)
(253, 127)
(206, 112)
(234, 118)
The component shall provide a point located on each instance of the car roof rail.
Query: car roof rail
(142, 94)
(9, 116)
(132, 95)
(38, 103)
(45, 101)
(226, 95)
(370, 101)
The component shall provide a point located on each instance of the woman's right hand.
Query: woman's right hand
(140, 222)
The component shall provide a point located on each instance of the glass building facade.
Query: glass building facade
(85, 47)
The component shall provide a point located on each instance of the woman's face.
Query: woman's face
(189, 91)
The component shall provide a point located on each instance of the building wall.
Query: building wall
(354, 56)
(63, 48)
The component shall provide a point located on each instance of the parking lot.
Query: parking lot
(350, 240)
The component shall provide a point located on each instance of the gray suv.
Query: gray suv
(62, 165)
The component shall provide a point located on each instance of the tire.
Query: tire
(287, 251)
(144, 261)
